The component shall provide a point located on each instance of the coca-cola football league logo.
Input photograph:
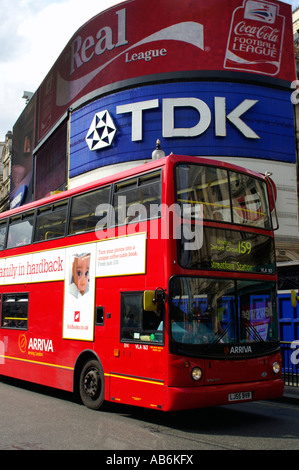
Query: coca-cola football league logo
(255, 38)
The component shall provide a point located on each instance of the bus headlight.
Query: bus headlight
(276, 367)
(196, 374)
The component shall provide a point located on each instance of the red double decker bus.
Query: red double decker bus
(155, 287)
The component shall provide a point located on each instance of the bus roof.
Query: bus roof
(148, 166)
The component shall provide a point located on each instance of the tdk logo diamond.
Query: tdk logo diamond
(101, 132)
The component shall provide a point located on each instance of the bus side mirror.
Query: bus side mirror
(149, 301)
(294, 298)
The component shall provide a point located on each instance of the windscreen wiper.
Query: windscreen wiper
(221, 335)
(252, 331)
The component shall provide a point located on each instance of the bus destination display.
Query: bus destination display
(229, 250)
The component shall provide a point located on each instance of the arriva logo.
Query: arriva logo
(22, 343)
(240, 350)
(34, 344)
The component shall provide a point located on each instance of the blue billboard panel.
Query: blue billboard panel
(190, 118)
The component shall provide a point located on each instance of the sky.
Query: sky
(33, 33)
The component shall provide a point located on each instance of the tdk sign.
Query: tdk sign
(196, 118)
(102, 129)
(169, 106)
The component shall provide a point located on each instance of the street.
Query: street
(39, 418)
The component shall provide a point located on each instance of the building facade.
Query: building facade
(6, 154)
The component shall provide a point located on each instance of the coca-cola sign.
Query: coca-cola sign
(141, 41)
(256, 38)
(265, 33)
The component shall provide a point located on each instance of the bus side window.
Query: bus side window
(15, 311)
(20, 230)
(137, 325)
(137, 199)
(83, 211)
(3, 230)
(50, 222)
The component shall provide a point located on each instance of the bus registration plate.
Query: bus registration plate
(239, 396)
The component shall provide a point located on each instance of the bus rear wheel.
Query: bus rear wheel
(91, 385)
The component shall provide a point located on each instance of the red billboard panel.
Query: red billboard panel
(139, 41)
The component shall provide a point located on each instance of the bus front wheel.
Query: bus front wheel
(91, 385)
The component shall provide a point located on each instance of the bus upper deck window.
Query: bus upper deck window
(20, 230)
(3, 229)
(50, 222)
(84, 210)
(249, 201)
(137, 199)
(206, 186)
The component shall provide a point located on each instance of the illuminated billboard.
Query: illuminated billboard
(138, 42)
(197, 118)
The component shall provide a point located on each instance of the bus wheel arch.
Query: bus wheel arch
(89, 381)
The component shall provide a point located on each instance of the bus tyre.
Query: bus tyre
(91, 385)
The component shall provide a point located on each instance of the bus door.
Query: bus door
(137, 368)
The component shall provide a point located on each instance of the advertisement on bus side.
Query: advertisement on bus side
(78, 267)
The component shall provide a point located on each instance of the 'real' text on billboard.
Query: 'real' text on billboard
(85, 49)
